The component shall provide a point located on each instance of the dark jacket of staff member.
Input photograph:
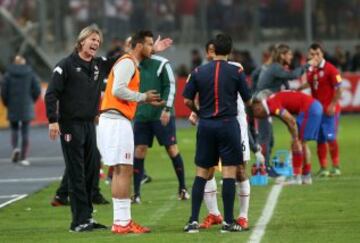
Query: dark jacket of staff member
(72, 101)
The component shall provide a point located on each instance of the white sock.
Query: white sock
(244, 198)
(210, 197)
(122, 211)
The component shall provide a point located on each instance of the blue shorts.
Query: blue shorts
(144, 133)
(328, 128)
(218, 139)
(309, 122)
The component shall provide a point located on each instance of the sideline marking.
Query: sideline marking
(9, 196)
(267, 212)
(16, 180)
(19, 197)
(36, 159)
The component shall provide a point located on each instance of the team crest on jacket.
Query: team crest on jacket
(67, 137)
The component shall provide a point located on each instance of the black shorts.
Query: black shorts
(218, 139)
(144, 133)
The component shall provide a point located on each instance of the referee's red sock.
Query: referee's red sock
(334, 152)
(322, 152)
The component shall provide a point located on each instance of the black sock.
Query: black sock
(179, 170)
(228, 196)
(197, 195)
(138, 174)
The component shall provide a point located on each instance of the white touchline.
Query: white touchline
(13, 200)
(260, 226)
(17, 180)
(36, 159)
(9, 196)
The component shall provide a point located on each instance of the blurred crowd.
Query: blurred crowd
(186, 20)
(345, 61)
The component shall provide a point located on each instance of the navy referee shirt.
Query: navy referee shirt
(218, 84)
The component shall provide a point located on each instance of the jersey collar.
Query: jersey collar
(322, 63)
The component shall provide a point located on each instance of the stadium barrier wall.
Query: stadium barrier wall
(350, 100)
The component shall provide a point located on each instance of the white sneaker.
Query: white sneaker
(24, 162)
(295, 180)
(306, 179)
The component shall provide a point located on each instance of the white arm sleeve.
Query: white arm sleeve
(123, 72)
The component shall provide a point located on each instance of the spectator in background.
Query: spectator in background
(213, 16)
(355, 62)
(298, 60)
(117, 14)
(80, 10)
(116, 48)
(340, 58)
(187, 11)
(20, 90)
(196, 59)
(182, 71)
(165, 11)
(244, 57)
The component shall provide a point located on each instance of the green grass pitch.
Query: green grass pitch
(327, 211)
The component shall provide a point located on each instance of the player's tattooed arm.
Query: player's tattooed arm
(290, 122)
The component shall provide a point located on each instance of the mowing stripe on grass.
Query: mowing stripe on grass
(267, 212)
(13, 200)
(160, 212)
(17, 180)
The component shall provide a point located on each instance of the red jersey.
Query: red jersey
(324, 81)
(292, 101)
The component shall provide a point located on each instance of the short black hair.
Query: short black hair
(223, 44)
(207, 45)
(139, 37)
(315, 46)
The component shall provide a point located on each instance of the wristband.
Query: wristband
(167, 109)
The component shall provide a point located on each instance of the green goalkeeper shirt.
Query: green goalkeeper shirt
(156, 73)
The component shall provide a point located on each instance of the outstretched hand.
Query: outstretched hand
(162, 44)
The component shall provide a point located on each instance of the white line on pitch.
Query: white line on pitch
(9, 196)
(16, 180)
(13, 200)
(267, 212)
(37, 159)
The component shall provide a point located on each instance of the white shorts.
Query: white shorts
(244, 137)
(116, 141)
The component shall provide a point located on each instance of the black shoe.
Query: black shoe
(192, 227)
(136, 199)
(99, 200)
(234, 227)
(146, 179)
(97, 226)
(183, 194)
(82, 228)
(59, 201)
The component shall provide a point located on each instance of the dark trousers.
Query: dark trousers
(266, 138)
(63, 190)
(78, 141)
(15, 127)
